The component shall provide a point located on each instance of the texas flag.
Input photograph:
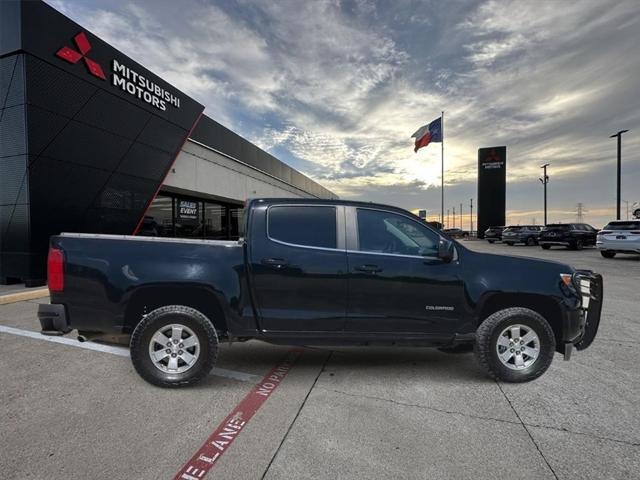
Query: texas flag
(428, 133)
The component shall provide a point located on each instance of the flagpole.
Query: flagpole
(442, 173)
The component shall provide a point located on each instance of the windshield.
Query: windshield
(631, 225)
(559, 226)
(513, 229)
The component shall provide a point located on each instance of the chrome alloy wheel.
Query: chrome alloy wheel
(174, 348)
(518, 347)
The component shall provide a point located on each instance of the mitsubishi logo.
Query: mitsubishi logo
(73, 56)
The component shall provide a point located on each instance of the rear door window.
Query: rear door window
(309, 226)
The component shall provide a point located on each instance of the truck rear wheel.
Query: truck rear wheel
(515, 345)
(607, 253)
(174, 346)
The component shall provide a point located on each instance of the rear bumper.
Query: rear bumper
(53, 319)
(618, 246)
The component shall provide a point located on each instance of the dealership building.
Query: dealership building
(91, 141)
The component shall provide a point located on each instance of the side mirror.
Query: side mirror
(446, 250)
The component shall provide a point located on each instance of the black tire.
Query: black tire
(188, 317)
(578, 244)
(487, 337)
(458, 349)
(531, 242)
(545, 246)
(491, 241)
(607, 253)
(509, 243)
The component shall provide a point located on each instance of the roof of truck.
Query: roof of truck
(326, 201)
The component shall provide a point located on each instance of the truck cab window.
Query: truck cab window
(311, 226)
(386, 232)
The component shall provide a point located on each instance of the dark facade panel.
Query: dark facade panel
(82, 144)
(14, 207)
(13, 181)
(492, 171)
(12, 135)
(12, 81)
(42, 128)
(114, 115)
(146, 162)
(53, 89)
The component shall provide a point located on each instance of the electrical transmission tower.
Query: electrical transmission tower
(580, 211)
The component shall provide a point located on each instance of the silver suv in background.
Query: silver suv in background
(619, 236)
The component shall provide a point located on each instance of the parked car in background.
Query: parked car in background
(527, 234)
(620, 236)
(572, 235)
(456, 232)
(493, 234)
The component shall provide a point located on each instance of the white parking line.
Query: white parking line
(114, 350)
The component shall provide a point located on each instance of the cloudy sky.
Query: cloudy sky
(336, 88)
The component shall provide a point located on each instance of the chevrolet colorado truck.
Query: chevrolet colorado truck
(316, 272)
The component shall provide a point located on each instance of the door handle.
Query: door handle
(369, 268)
(275, 262)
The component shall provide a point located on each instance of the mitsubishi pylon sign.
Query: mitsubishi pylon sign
(492, 177)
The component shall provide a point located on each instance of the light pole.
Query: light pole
(545, 180)
(471, 214)
(454, 217)
(619, 136)
(460, 216)
(448, 218)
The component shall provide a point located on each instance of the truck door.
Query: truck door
(397, 283)
(298, 266)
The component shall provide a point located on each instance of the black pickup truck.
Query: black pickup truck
(317, 272)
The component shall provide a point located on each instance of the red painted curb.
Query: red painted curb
(224, 435)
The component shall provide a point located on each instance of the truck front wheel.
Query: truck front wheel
(174, 346)
(515, 345)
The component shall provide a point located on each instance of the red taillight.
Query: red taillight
(55, 270)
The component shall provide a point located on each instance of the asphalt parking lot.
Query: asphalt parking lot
(70, 412)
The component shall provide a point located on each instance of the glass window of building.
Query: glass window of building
(189, 218)
(236, 214)
(158, 220)
(216, 221)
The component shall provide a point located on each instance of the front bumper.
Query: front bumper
(53, 319)
(590, 287)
